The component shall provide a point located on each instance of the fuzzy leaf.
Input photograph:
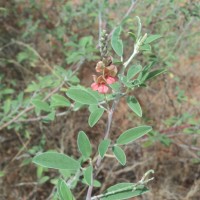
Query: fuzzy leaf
(88, 175)
(132, 134)
(56, 161)
(133, 70)
(134, 105)
(41, 105)
(155, 73)
(95, 116)
(103, 147)
(81, 96)
(119, 154)
(117, 192)
(59, 100)
(116, 42)
(63, 191)
(84, 145)
(152, 38)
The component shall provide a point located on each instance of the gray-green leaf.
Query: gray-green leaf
(134, 105)
(133, 70)
(59, 100)
(95, 116)
(152, 38)
(63, 191)
(56, 161)
(119, 154)
(155, 73)
(123, 191)
(103, 147)
(132, 134)
(81, 96)
(88, 175)
(41, 105)
(84, 145)
(116, 42)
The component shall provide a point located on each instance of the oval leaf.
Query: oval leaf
(56, 161)
(81, 96)
(155, 73)
(119, 154)
(134, 105)
(63, 191)
(59, 100)
(41, 105)
(122, 191)
(103, 147)
(133, 70)
(116, 42)
(88, 175)
(84, 145)
(133, 134)
(95, 116)
(152, 38)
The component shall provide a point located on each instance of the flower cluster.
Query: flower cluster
(106, 78)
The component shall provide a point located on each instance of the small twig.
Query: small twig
(30, 108)
(43, 117)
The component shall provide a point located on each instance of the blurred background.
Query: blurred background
(44, 41)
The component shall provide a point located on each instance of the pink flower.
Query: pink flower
(100, 87)
(110, 80)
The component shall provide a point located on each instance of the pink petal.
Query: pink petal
(95, 86)
(103, 89)
(110, 80)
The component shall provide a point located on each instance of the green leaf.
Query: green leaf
(133, 134)
(119, 154)
(145, 47)
(7, 106)
(88, 175)
(152, 38)
(81, 96)
(133, 36)
(115, 86)
(133, 70)
(59, 100)
(116, 42)
(63, 191)
(43, 180)
(95, 116)
(84, 145)
(50, 116)
(56, 161)
(103, 147)
(134, 105)
(155, 73)
(117, 193)
(41, 105)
